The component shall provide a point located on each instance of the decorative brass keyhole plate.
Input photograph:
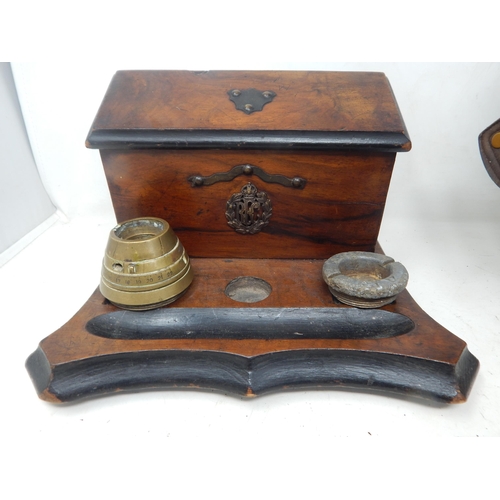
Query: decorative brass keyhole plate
(248, 211)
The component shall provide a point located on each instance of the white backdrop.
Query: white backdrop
(442, 222)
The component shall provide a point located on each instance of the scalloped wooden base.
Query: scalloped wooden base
(424, 360)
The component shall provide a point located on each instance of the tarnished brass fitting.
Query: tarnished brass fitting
(145, 265)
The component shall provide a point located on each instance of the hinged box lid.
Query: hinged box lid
(249, 110)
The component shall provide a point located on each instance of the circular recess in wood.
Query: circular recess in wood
(248, 289)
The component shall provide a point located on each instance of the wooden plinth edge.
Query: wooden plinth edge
(428, 361)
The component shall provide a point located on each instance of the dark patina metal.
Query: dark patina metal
(247, 169)
(250, 100)
(248, 211)
(364, 279)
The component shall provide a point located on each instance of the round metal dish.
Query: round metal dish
(364, 279)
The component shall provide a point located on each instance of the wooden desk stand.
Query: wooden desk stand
(427, 361)
(265, 175)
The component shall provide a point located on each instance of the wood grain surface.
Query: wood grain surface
(338, 131)
(428, 361)
(305, 101)
(340, 208)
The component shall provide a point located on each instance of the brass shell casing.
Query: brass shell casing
(145, 265)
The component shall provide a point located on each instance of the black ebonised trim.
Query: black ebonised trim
(262, 374)
(38, 367)
(251, 323)
(466, 370)
(248, 139)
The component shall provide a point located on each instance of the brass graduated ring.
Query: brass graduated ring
(145, 265)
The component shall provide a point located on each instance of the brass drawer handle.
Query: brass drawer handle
(247, 169)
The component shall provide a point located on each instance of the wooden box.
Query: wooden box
(158, 132)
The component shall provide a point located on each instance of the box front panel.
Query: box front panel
(338, 209)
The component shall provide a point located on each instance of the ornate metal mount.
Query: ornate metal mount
(248, 211)
(295, 182)
(250, 100)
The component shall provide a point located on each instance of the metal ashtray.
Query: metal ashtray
(364, 279)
